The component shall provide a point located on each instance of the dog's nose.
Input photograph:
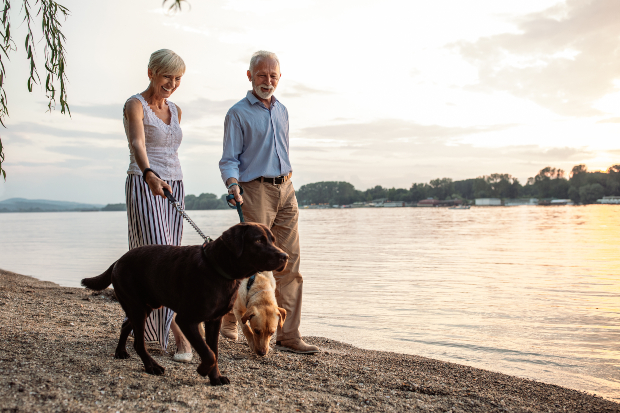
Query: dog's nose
(261, 352)
(283, 257)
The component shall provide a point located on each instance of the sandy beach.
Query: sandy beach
(57, 355)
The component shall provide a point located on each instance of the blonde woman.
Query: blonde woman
(152, 126)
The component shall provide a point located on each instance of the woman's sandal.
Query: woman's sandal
(182, 357)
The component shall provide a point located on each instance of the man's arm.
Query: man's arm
(229, 164)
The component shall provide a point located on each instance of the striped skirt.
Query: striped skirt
(153, 220)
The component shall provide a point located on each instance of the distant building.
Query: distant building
(521, 201)
(561, 202)
(450, 202)
(394, 204)
(430, 202)
(609, 200)
(379, 202)
(488, 202)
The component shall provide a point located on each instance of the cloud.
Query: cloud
(296, 90)
(203, 107)
(400, 163)
(27, 128)
(609, 120)
(564, 58)
(113, 111)
(384, 129)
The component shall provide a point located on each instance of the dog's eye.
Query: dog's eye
(257, 332)
(259, 241)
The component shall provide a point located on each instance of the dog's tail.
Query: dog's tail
(99, 282)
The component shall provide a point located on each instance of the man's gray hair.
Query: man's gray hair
(262, 54)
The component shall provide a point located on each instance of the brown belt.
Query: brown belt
(275, 181)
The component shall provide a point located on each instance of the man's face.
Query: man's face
(265, 77)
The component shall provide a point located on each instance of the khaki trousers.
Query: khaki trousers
(276, 207)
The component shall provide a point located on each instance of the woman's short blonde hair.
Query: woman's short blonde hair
(167, 62)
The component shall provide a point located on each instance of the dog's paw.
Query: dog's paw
(155, 370)
(219, 381)
(122, 354)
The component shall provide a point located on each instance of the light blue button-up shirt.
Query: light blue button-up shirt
(256, 140)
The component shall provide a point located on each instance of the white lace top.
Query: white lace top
(162, 143)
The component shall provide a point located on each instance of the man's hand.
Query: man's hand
(156, 185)
(234, 190)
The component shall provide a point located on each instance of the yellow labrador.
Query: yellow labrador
(257, 311)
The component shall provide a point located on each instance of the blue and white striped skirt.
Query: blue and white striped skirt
(153, 220)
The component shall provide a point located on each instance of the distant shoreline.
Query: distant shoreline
(301, 207)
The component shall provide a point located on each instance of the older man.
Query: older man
(256, 155)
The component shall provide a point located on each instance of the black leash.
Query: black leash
(241, 219)
(177, 205)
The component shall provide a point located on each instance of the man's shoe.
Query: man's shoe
(296, 345)
(229, 327)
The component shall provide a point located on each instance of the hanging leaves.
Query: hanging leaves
(49, 12)
(175, 6)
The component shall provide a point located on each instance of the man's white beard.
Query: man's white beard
(261, 94)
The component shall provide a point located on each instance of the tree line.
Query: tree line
(581, 186)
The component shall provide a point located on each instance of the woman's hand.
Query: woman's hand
(156, 185)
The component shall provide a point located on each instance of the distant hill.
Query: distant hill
(43, 205)
(115, 207)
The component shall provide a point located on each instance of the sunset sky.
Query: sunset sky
(378, 92)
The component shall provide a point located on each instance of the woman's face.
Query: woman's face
(163, 84)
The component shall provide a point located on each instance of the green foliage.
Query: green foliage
(332, 193)
(115, 207)
(175, 6)
(441, 188)
(588, 194)
(205, 201)
(49, 13)
(582, 187)
(420, 192)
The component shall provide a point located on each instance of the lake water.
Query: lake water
(528, 291)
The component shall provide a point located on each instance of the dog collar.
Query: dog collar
(219, 269)
(251, 281)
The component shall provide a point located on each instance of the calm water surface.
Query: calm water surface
(528, 291)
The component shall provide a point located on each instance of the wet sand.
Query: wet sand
(57, 346)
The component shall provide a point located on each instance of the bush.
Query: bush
(590, 193)
(205, 201)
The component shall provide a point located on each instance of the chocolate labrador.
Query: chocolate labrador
(198, 282)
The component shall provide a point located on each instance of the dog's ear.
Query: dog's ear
(233, 238)
(250, 312)
(282, 316)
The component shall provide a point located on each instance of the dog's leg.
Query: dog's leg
(138, 320)
(121, 350)
(208, 365)
(212, 335)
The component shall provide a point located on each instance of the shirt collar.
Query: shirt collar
(252, 99)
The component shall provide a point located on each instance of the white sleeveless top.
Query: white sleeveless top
(162, 142)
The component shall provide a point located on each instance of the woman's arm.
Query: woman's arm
(179, 111)
(135, 130)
